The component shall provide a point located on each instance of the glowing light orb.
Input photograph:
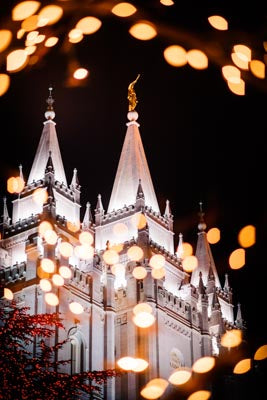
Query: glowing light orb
(247, 236)
(51, 299)
(118, 270)
(139, 365)
(213, 235)
(50, 42)
(158, 273)
(51, 14)
(50, 236)
(239, 61)
(257, 68)
(20, 33)
(242, 366)
(80, 73)
(16, 60)
(180, 376)
(120, 230)
(237, 88)
(197, 59)
(167, 2)
(237, 259)
(139, 273)
(218, 22)
(143, 30)
(75, 34)
(41, 273)
(261, 353)
(72, 226)
(30, 50)
(175, 55)
(65, 249)
(138, 221)
(127, 363)
(47, 265)
(8, 294)
(89, 25)
(43, 227)
(190, 263)
(203, 364)
(231, 338)
(200, 395)
(57, 280)
(40, 196)
(111, 257)
(157, 261)
(39, 39)
(15, 185)
(86, 238)
(187, 249)
(243, 52)
(231, 73)
(143, 320)
(123, 9)
(76, 308)
(45, 285)
(31, 36)
(135, 253)
(142, 307)
(5, 39)
(30, 23)
(24, 10)
(84, 251)
(65, 272)
(154, 388)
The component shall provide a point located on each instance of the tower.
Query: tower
(188, 311)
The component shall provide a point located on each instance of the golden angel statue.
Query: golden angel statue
(132, 95)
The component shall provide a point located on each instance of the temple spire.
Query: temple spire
(74, 182)
(239, 320)
(226, 284)
(87, 220)
(6, 219)
(180, 248)
(140, 192)
(48, 142)
(167, 212)
(132, 167)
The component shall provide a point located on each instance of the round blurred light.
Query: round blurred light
(118, 270)
(143, 30)
(203, 364)
(158, 273)
(16, 60)
(40, 196)
(51, 14)
(231, 338)
(142, 307)
(154, 388)
(32, 35)
(127, 363)
(175, 55)
(200, 395)
(48, 265)
(76, 308)
(231, 73)
(143, 319)
(65, 249)
(187, 249)
(86, 238)
(167, 2)
(197, 59)
(213, 235)
(65, 272)
(242, 366)
(111, 257)
(157, 261)
(51, 299)
(50, 236)
(135, 253)
(261, 353)
(30, 50)
(24, 10)
(180, 376)
(237, 259)
(123, 9)
(15, 185)
(237, 88)
(139, 273)
(120, 230)
(257, 67)
(5, 38)
(45, 285)
(8, 294)
(218, 22)
(80, 73)
(75, 34)
(20, 33)
(84, 251)
(140, 365)
(57, 280)
(43, 227)
(50, 42)
(138, 221)
(190, 263)
(39, 39)
(240, 61)
(247, 236)
(30, 23)
(89, 25)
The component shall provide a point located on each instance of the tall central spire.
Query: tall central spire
(48, 142)
(132, 165)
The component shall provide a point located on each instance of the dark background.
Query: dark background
(202, 142)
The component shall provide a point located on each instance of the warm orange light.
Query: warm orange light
(86, 238)
(15, 184)
(261, 353)
(127, 363)
(157, 261)
(57, 280)
(231, 73)
(65, 249)
(175, 55)
(16, 60)
(139, 273)
(89, 25)
(237, 88)
(43, 227)
(48, 265)
(197, 59)
(257, 67)
(180, 376)
(51, 299)
(120, 230)
(231, 338)
(154, 388)
(80, 73)
(31, 36)
(24, 10)
(84, 251)
(167, 2)
(76, 308)
(190, 263)
(138, 221)
(45, 285)
(73, 227)
(8, 294)
(39, 39)
(41, 273)
(111, 257)
(30, 23)
(30, 50)
(237, 259)
(50, 236)
(158, 273)
(20, 33)
(218, 22)
(187, 249)
(5, 39)
(118, 269)
(40, 196)
(243, 52)
(213, 235)
(75, 34)
(143, 30)
(142, 307)
(135, 253)
(203, 364)
(139, 365)
(200, 395)
(50, 42)
(242, 366)
(143, 319)
(117, 247)
(247, 236)
(240, 62)
(65, 272)
(50, 14)
(123, 9)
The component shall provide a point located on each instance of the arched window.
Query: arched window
(176, 358)
(77, 351)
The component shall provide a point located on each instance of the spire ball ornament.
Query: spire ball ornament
(50, 113)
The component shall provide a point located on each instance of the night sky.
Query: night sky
(202, 142)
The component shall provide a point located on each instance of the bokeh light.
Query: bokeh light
(50, 236)
(247, 236)
(51, 299)
(24, 10)
(50, 14)
(157, 261)
(65, 272)
(158, 273)
(242, 366)
(175, 55)
(167, 2)
(40, 196)
(139, 273)
(86, 238)
(190, 263)
(200, 395)
(143, 30)
(237, 259)
(154, 388)
(144, 319)
(261, 353)
(138, 221)
(123, 9)
(80, 73)
(140, 365)
(237, 88)
(218, 22)
(52, 41)
(45, 285)
(203, 364)
(127, 363)
(89, 25)
(180, 376)
(16, 60)
(231, 338)
(5, 39)
(142, 307)
(57, 280)
(135, 253)
(213, 235)
(43, 227)
(76, 308)
(197, 59)
(111, 257)
(48, 265)
(231, 73)
(65, 249)
(257, 68)
(8, 294)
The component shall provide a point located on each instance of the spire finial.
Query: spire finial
(132, 95)
(201, 226)
(50, 113)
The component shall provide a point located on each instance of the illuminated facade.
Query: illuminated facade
(191, 310)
